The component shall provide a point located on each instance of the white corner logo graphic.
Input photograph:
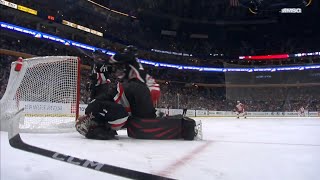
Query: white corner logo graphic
(291, 11)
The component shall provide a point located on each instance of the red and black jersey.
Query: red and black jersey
(133, 69)
(240, 107)
(134, 72)
(136, 98)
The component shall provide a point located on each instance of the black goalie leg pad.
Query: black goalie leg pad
(155, 128)
(101, 133)
(188, 128)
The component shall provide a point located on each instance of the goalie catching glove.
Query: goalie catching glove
(87, 127)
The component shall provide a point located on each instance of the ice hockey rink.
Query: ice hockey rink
(231, 149)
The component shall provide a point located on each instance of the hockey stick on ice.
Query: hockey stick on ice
(16, 142)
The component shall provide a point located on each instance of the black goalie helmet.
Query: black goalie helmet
(131, 50)
(127, 56)
(122, 60)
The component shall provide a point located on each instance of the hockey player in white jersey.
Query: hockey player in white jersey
(240, 111)
(301, 112)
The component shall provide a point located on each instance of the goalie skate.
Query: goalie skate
(198, 130)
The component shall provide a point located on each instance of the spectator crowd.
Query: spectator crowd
(121, 30)
(180, 88)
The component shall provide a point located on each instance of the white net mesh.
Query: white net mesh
(47, 89)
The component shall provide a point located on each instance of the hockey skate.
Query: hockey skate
(192, 130)
(198, 130)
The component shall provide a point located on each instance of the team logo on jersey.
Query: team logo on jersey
(104, 112)
(103, 68)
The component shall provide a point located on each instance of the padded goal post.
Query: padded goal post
(48, 91)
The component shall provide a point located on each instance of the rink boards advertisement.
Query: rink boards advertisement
(47, 109)
(68, 109)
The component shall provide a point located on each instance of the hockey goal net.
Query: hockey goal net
(46, 91)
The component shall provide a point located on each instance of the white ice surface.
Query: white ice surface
(232, 149)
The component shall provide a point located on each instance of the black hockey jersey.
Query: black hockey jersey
(133, 69)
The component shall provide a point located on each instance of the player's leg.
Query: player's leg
(155, 96)
(184, 113)
(242, 114)
(102, 119)
(198, 130)
(169, 127)
(155, 128)
(139, 98)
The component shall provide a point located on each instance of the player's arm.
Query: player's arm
(107, 111)
(99, 79)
